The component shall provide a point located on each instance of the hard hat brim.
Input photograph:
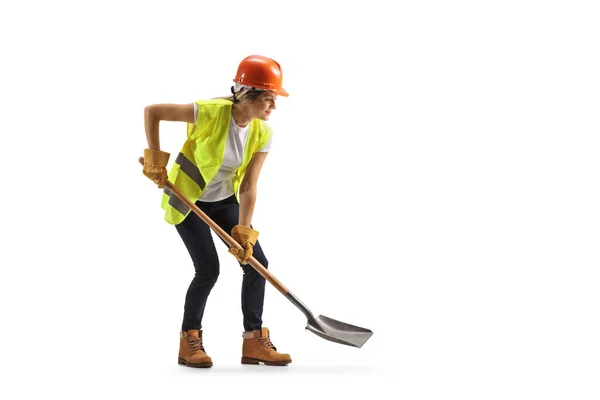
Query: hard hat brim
(282, 92)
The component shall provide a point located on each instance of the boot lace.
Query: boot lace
(266, 342)
(195, 343)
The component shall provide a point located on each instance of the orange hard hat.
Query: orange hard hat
(261, 73)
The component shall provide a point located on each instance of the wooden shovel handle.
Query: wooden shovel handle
(228, 239)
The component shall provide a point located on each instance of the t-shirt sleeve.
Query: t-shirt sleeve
(267, 146)
(195, 113)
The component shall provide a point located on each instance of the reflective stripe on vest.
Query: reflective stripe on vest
(190, 170)
(176, 203)
(193, 172)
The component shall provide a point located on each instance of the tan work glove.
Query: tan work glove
(247, 238)
(155, 163)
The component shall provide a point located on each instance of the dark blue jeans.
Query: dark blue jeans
(196, 235)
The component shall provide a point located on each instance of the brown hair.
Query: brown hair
(243, 95)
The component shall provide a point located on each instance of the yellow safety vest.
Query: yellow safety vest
(202, 155)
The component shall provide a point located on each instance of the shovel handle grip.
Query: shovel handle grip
(228, 239)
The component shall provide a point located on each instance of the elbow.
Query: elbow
(149, 112)
(247, 189)
(153, 113)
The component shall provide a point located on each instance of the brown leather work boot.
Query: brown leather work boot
(258, 348)
(191, 350)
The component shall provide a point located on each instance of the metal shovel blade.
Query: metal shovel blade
(339, 332)
(331, 329)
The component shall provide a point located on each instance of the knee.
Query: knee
(260, 257)
(208, 271)
(249, 268)
(250, 271)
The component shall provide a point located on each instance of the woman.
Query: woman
(218, 168)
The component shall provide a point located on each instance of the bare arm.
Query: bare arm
(248, 188)
(164, 112)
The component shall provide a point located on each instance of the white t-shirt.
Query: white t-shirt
(221, 186)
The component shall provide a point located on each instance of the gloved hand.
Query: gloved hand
(247, 238)
(155, 163)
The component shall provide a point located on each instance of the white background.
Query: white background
(434, 177)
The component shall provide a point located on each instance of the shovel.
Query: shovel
(325, 327)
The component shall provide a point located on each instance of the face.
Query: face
(263, 105)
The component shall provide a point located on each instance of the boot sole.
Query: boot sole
(194, 365)
(254, 361)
